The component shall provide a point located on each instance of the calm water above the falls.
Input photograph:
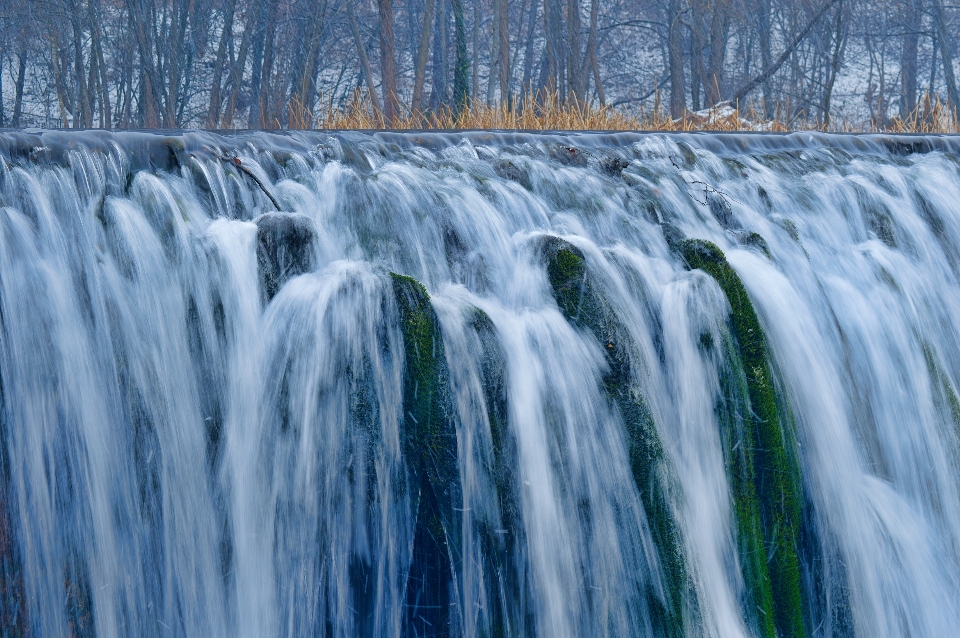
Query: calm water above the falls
(479, 384)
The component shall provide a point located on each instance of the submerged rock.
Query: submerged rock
(613, 166)
(506, 169)
(722, 211)
(503, 541)
(285, 248)
(568, 155)
(14, 620)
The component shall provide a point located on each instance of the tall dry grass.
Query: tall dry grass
(545, 112)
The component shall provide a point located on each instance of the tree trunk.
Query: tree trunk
(494, 53)
(503, 57)
(172, 46)
(187, 72)
(574, 68)
(550, 85)
(82, 116)
(308, 86)
(719, 29)
(58, 81)
(834, 67)
(475, 77)
(93, 84)
(126, 113)
(908, 58)
(149, 85)
(461, 69)
(517, 45)
(175, 53)
(388, 66)
(258, 27)
(946, 53)
(266, 75)
(528, 52)
(96, 54)
(559, 47)
(18, 97)
(235, 81)
(213, 113)
(423, 52)
(597, 80)
(697, 70)
(766, 57)
(364, 60)
(438, 92)
(591, 56)
(933, 75)
(678, 98)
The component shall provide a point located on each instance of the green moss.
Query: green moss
(584, 305)
(756, 240)
(429, 436)
(739, 442)
(773, 465)
(944, 396)
(565, 270)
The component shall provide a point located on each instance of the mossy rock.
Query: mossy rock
(765, 455)
(584, 305)
(429, 441)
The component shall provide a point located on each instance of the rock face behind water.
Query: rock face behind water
(286, 247)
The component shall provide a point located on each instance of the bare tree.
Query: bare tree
(675, 54)
(422, 53)
(946, 51)
(388, 66)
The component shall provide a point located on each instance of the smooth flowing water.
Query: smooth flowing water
(479, 385)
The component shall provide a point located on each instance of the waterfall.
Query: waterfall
(479, 384)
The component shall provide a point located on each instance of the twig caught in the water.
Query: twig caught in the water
(707, 188)
(235, 161)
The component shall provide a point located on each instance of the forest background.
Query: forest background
(223, 64)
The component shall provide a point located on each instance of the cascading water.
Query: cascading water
(479, 385)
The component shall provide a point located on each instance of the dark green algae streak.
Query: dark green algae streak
(584, 306)
(762, 461)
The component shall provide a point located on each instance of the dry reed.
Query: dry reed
(545, 112)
